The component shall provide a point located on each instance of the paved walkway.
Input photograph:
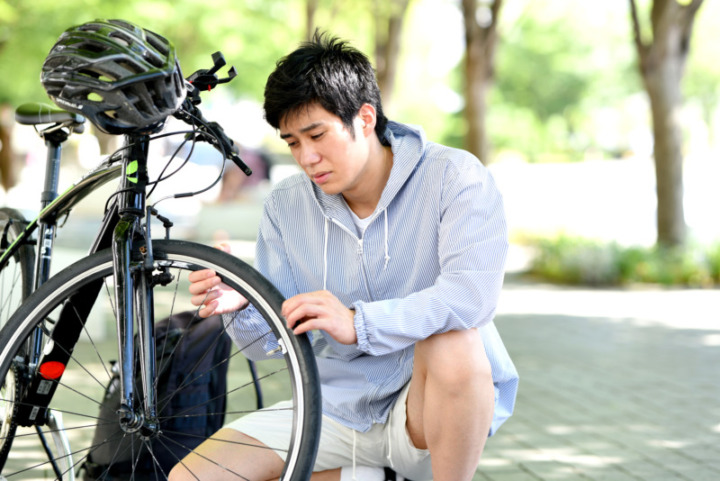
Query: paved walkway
(615, 385)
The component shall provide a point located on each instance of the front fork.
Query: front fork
(134, 299)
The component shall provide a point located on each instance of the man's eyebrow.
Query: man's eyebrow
(303, 130)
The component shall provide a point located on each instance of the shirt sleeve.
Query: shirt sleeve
(472, 249)
(247, 327)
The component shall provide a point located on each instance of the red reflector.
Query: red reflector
(52, 369)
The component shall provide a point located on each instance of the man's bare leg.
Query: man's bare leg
(227, 452)
(330, 475)
(451, 402)
(230, 449)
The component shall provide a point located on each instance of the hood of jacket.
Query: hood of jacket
(406, 138)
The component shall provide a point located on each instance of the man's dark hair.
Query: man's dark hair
(329, 72)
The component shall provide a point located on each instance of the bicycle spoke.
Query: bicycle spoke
(237, 443)
(8, 297)
(91, 340)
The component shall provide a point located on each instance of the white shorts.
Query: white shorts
(384, 445)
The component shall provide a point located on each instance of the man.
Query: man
(391, 250)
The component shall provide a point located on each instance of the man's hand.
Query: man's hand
(320, 310)
(211, 294)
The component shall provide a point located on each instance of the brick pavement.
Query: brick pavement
(616, 384)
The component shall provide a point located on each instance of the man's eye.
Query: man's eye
(292, 144)
(317, 136)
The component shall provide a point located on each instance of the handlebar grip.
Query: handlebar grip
(239, 162)
(228, 146)
(212, 133)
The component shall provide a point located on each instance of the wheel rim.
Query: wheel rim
(7, 404)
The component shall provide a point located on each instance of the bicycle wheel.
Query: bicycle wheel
(16, 284)
(16, 272)
(77, 396)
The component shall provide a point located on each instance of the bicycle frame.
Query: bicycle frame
(58, 208)
(134, 280)
(121, 228)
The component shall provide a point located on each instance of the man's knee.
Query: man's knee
(455, 358)
(179, 473)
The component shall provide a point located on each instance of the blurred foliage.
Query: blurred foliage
(558, 65)
(238, 29)
(575, 260)
(566, 83)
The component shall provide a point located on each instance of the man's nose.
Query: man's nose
(308, 156)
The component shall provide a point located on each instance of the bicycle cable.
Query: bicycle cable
(163, 178)
(219, 145)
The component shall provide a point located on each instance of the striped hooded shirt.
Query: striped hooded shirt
(431, 260)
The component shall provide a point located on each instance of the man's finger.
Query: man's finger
(303, 311)
(301, 299)
(204, 297)
(208, 310)
(306, 326)
(223, 246)
(200, 287)
(200, 275)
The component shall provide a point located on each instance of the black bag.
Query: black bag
(197, 382)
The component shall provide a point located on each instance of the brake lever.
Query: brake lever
(213, 134)
(217, 134)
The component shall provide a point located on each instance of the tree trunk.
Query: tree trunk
(310, 9)
(665, 102)
(662, 65)
(480, 42)
(8, 170)
(389, 16)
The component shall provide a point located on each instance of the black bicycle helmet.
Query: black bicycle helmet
(122, 78)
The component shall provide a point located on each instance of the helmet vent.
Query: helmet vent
(96, 75)
(158, 43)
(153, 59)
(123, 24)
(130, 66)
(120, 39)
(93, 47)
(89, 27)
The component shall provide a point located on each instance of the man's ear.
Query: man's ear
(368, 118)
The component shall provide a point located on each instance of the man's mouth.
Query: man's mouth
(321, 177)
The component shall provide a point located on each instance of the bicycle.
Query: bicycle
(59, 348)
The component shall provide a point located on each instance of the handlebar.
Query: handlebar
(210, 132)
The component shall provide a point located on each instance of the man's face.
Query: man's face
(324, 148)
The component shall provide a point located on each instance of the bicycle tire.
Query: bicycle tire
(85, 377)
(16, 284)
(16, 274)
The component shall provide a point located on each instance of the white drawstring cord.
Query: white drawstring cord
(387, 250)
(354, 446)
(325, 252)
(389, 455)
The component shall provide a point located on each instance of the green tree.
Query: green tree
(538, 77)
(385, 21)
(701, 84)
(246, 32)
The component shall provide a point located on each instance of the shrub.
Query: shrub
(573, 260)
